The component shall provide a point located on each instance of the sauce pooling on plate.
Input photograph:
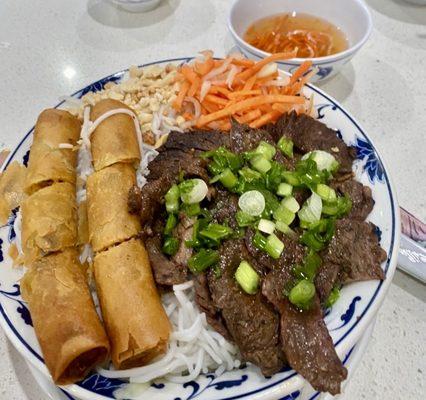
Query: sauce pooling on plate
(311, 36)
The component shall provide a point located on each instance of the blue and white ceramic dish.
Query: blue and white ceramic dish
(351, 16)
(347, 320)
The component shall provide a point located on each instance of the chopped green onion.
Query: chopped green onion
(266, 226)
(291, 178)
(191, 210)
(172, 199)
(252, 203)
(284, 228)
(266, 150)
(244, 219)
(227, 178)
(249, 174)
(274, 176)
(260, 163)
(274, 247)
(319, 234)
(309, 268)
(326, 193)
(284, 189)
(193, 190)
(170, 224)
(283, 214)
(205, 258)
(291, 204)
(216, 232)
(247, 278)
(340, 208)
(271, 203)
(302, 294)
(259, 241)
(333, 297)
(286, 146)
(223, 158)
(311, 209)
(170, 246)
(324, 160)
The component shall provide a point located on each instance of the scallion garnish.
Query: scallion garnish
(339, 208)
(205, 258)
(266, 226)
(259, 241)
(191, 210)
(170, 246)
(319, 235)
(226, 178)
(260, 163)
(216, 232)
(249, 174)
(172, 199)
(283, 214)
(193, 190)
(243, 219)
(291, 204)
(247, 278)
(324, 160)
(274, 246)
(284, 189)
(326, 193)
(266, 150)
(252, 203)
(333, 297)
(286, 146)
(170, 224)
(311, 209)
(302, 294)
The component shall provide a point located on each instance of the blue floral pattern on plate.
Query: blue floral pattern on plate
(22, 309)
(372, 165)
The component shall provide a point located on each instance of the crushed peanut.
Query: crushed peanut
(147, 91)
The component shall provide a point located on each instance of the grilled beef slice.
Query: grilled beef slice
(224, 208)
(361, 196)
(251, 321)
(308, 134)
(305, 339)
(326, 278)
(205, 304)
(178, 155)
(166, 271)
(355, 248)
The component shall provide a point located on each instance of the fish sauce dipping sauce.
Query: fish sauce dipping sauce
(311, 36)
(351, 18)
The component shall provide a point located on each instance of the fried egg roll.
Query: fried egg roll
(114, 140)
(67, 326)
(12, 183)
(49, 221)
(109, 220)
(51, 157)
(134, 317)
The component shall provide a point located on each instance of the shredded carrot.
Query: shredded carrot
(242, 62)
(304, 67)
(243, 93)
(254, 101)
(250, 116)
(177, 104)
(216, 99)
(205, 67)
(260, 64)
(264, 119)
(251, 99)
(250, 83)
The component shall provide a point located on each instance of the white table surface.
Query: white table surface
(50, 48)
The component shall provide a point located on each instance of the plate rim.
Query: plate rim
(350, 337)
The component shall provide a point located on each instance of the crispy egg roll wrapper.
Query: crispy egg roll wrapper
(48, 163)
(67, 326)
(49, 221)
(12, 182)
(135, 320)
(114, 140)
(109, 219)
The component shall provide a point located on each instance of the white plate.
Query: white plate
(347, 321)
